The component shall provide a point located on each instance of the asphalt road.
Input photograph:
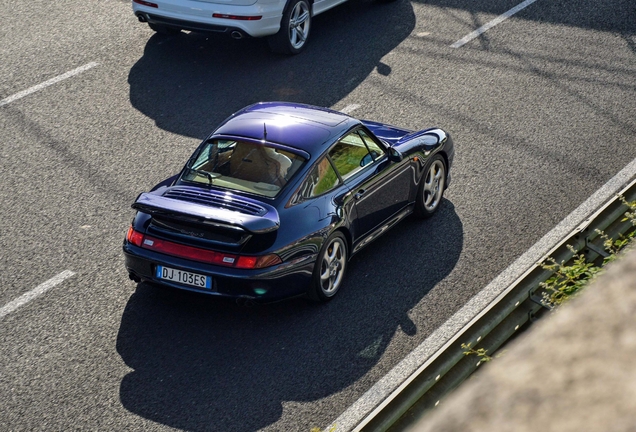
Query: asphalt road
(542, 109)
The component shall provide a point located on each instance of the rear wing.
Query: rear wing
(158, 205)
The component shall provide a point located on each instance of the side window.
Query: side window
(350, 155)
(375, 150)
(322, 179)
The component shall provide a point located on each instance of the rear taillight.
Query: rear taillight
(145, 3)
(238, 17)
(201, 255)
(134, 237)
(251, 262)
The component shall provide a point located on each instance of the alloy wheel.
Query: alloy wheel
(299, 21)
(433, 186)
(332, 266)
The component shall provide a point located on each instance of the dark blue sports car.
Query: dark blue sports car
(279, 197)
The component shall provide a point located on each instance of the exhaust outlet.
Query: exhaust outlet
(236, 34)
(142, 18)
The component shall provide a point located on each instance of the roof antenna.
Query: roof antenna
(264, 132)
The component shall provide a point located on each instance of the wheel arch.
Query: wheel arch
(311, 7)
(348, 238)
(446, 165)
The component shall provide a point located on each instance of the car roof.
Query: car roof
(301, 126)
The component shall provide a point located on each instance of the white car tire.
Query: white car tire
(294, 28)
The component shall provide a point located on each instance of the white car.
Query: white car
(286, 23)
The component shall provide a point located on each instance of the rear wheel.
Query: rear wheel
(329, 269)
(294, 28)
(164, 30)
(431, 190)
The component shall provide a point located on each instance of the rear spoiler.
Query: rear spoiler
(157, 205)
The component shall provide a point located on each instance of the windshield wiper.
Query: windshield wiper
(203, 173)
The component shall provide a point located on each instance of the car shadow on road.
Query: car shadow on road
(189, 83)
(202, 363)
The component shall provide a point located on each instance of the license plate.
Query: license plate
(184, 277)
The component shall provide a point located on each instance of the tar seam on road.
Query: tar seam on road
(45, 84)
(492, 23)
(37, 291)
(417, 360)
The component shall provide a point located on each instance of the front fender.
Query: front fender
(427, 141)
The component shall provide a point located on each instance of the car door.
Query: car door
(380, 188)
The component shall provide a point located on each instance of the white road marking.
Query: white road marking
(45, 84)
(37, 291)
(350, 108)
(492, 23)
(382, 392)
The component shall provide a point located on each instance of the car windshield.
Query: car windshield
(243, 166)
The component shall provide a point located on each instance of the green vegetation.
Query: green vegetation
(570, 278)
(481, 352)
(332, 429)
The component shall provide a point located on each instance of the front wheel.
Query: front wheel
(431, 190)
(294, 29)
(329, 269)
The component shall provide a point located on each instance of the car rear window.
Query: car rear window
(243, 166)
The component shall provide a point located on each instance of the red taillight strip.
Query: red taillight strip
(237, 17)
(188, 252)
(145, 3)
(134, 237)
(199, 254)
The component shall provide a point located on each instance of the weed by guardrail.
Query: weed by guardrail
(569, 279)
(332, 429)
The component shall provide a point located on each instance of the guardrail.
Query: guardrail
(519, 304)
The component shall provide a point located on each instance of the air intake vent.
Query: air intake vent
(215, 199)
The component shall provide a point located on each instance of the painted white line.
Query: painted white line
(37, 291)
(45, 84)
(353, 419)
(492, 23)
(350, 108)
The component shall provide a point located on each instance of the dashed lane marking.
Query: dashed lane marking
(492, 23)
(45, 84)
(34, 293)
(350, 108)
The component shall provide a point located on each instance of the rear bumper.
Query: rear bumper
(262, 285)
(187, 25)
(197, 16)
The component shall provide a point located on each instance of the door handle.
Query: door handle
(359, 194)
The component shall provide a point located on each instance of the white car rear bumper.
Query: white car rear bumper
(197, 16)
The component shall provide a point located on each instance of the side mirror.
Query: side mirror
(395, 155)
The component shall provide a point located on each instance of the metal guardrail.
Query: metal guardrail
(519, 304)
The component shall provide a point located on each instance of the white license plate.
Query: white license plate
(184, 277)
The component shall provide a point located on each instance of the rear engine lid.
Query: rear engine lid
(189, 205)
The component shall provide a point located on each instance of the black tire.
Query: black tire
(432, 186)
(330, 268)
(294, 29)
(164, 30)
